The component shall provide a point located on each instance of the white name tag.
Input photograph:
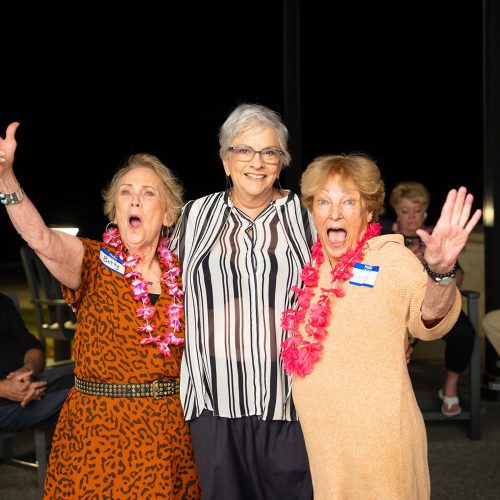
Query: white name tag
(111, 261)
(364, 275)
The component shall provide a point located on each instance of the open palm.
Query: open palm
(450, 234)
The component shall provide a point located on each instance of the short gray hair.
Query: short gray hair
(248, 116)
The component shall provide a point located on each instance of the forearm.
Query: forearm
(34, 359)
(24, 215)
(60, 252)
(437, 302)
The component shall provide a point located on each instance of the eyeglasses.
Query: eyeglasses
(271, 156)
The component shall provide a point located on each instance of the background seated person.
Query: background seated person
(491, 327)
(410, 201)
(28, 395)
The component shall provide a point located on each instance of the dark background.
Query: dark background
(403, 84)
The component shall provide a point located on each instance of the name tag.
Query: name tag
(364, 275)
(111, 261)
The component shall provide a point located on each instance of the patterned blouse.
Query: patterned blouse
(237, 275)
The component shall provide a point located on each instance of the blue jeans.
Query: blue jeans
(13, 417)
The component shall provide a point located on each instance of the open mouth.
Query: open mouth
(336, 236)
(134, 221)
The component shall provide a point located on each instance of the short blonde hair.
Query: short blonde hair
(411, 190)
(357, 167)
(173, 189)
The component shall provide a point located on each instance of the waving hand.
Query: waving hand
(451, 232)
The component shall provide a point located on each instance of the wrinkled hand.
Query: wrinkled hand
(21, 388)
(8, 147)
(36, 391)
(451, 232)
(21, 371)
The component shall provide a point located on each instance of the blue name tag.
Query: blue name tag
(364, 275)
(111, 261)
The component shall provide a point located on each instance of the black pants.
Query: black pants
(459, 344)
(250, 459)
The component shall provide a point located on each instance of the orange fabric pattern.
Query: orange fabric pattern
(118, 447)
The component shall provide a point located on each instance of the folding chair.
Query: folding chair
(55, 319)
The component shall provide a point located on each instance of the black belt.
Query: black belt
(157, 389)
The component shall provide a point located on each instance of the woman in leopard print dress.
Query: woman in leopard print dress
(121, 433)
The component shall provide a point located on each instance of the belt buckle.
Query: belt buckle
(155, 389)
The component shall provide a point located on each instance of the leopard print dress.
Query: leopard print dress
(118, 448)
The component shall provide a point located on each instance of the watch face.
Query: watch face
(445, 281)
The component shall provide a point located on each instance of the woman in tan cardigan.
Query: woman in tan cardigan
(363, 295)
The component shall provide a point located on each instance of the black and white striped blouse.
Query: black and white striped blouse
(237, 283)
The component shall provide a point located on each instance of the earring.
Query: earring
(229, 184)
(113, 226)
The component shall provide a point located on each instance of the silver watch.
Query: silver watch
(447, 280)
(441, 279)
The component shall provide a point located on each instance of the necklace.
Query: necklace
(139, 289)
(299, 355)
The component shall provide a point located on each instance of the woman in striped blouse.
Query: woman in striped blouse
(241, 251)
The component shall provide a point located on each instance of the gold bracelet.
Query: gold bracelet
(12, 198)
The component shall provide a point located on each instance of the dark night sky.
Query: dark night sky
(404, 87)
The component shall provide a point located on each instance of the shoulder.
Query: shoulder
(387, 242)
(92, 252)
(290, 206)
(206, 199)
(391, 248)
(209, 202)
(91, 246)
(291, 202)
(398, 263)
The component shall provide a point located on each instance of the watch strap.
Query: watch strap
(437, 277)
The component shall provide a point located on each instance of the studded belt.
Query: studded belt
(157, 389)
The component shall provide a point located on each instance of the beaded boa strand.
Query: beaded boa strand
(299, 355)
(139, 289)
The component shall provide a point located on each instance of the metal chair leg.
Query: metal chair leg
(41, 453)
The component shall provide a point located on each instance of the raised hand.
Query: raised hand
(451, 232)
(8, 147)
